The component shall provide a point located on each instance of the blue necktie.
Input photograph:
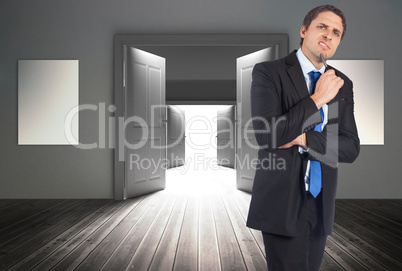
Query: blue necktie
(315, 166)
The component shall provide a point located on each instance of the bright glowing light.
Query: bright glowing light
(200, 175)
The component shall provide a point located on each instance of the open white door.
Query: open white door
(226, 147)
(145, 153)
(176, 124)
(247, 149)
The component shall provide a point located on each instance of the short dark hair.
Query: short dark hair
(312, 14)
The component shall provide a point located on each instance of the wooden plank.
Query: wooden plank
(27, 208)
(252, 255)
(7, 203)
(393, 203)
(141, 260)
(208, 244)
(362, 229)
(16, 239)
(372, 222)
(246, 197)
(187, 248)
(388, 213)
(22, 231)
(397, 202)
(388, 262)
(31, 217)
(10, 204)
(229, 250)
(242, 200)
(366, 260)
(59, 226)
(329, 264)
(96, 249)
(104, 223)
(345, 260)
(372, 210)
(363, 239)
(53, 245)
(166, 251)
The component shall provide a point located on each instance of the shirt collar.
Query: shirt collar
(306, 65)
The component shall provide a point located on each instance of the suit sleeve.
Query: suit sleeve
(273, 127)
(339, 141)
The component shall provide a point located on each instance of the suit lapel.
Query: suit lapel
(296, 75)
(336, 98)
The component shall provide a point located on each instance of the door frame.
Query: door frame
(168, 40)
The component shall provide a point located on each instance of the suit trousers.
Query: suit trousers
(303, 252)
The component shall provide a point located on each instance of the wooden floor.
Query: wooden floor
(181, 230)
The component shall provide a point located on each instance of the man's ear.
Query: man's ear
(303, 31)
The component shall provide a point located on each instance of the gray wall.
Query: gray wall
(83, 30)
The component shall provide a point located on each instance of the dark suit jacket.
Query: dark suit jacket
(282, 110)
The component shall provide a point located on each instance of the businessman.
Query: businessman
(303, 113)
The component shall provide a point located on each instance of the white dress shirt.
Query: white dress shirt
(307, 67)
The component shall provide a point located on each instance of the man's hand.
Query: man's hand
(300, 141)
(326, 88)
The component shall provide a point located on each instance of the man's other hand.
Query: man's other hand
(301, 141)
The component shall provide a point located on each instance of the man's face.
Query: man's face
(322, 36)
